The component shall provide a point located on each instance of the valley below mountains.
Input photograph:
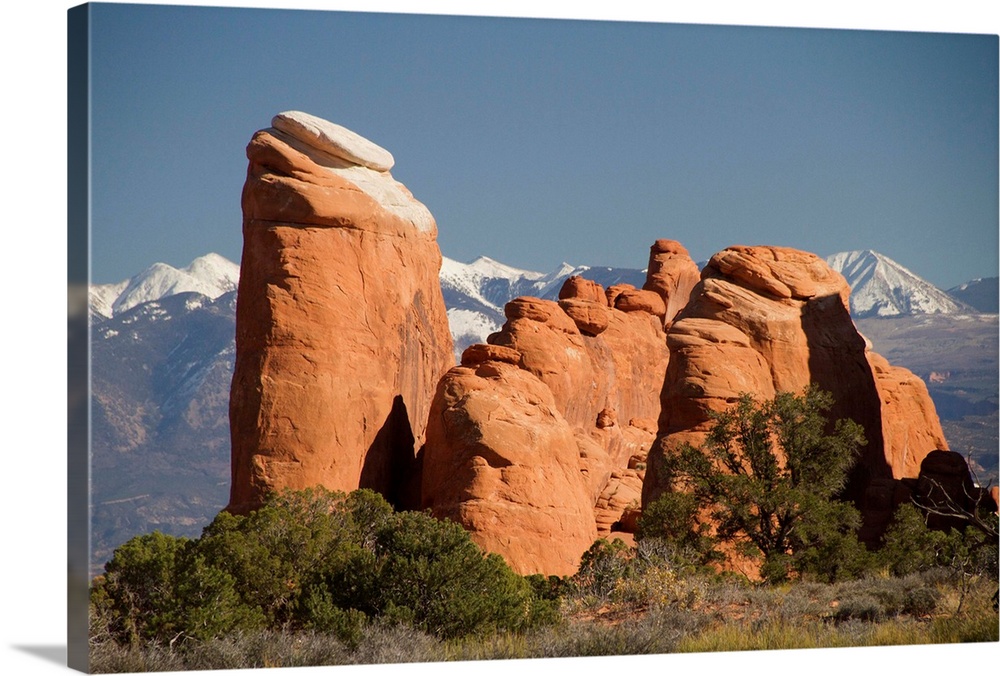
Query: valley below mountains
(163, 351)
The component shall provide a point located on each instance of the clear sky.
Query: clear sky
(180, 150)
(540, 141)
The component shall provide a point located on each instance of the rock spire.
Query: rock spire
(341, 329)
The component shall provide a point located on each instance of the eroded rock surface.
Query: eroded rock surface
(503, 462)
(341, 332)
(770, 319)
(672, 275)
(910, 424)
(596, 360)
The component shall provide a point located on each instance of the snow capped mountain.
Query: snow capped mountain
(159, 406)
(475, 293)
(210, 275)
(484, 282)
(881, 287)
(103, 297)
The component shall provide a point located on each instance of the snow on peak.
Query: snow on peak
(487, 267)
(215, 269)
(103, 297)
(567, 270)
(476, 293)
(210, 275)
(478, 281)
(881, 287)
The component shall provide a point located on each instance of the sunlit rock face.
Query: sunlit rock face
(672, 274)
(341, 330)
(592, 367)
(910, 424)
(765, 320)
(504, 463)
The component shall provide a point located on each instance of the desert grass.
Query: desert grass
(657, 616)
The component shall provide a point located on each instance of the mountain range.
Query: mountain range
(162, 360)
(210, 275)
(475, 293)
(881, 287)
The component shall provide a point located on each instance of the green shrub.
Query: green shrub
(207, 603)
(433, 570)
(602, 568)
(909, 546)
(827, 548)
(864, 607)
(314, 560)
(673, 519)
(920, 601)
(138, 593)
(768, 474)
(326, 616)
(644, 576)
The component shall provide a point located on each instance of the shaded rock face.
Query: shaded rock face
(594, 365)
(341, 330)
(503, 462)
(768, 319)
(943, 489)
(945, 484)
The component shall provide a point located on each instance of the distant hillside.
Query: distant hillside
(982, 294)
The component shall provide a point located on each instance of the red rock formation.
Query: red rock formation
(910, 425)
(615, 290)
(600, 370)
(770, 319)
(636, 300)
(620, 369)
(672, 275)
(502, 461)
(341, 330)
(584, 289)
(479, 353)
(617, 507)
(590, 317)
(711, 364)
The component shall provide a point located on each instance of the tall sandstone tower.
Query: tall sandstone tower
(341, 329)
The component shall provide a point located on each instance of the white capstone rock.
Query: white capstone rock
(334, 139)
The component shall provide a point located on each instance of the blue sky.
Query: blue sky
(540, 141)
(177, 150)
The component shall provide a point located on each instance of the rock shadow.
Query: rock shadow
(391, 467)
(837, 364)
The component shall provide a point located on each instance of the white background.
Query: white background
(33, 389)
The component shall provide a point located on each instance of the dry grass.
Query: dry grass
(662, 615)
